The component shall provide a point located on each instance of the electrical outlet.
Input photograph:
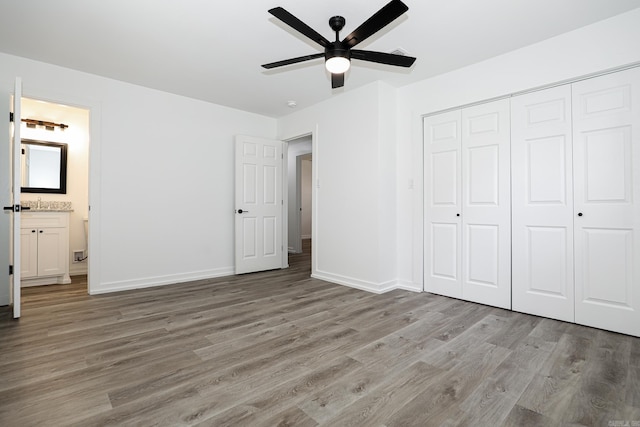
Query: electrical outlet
(78, 256)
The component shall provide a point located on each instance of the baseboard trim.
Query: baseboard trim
(78, 269)
(376, 288)
(149, 282)
(409, 286)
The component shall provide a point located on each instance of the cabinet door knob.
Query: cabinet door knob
(33, 231)
(579, 213)
(457, 214)
(41, 231)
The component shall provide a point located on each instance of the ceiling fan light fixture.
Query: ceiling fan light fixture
(337, 64)
(338, 54)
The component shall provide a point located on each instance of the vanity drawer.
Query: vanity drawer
(44, 219)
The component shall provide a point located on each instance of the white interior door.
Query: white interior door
(606, 135)
(486, 205)
(442, 189)
(14, 254)
(259, 201)
(542, 204)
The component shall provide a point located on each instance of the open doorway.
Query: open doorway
(73, 201)
(299, 175)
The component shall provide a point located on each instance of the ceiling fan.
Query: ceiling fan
(338, 54)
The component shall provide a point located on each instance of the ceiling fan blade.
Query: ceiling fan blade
(376, 22)
(299, 26)
(337, 80)
(383, 58)
(292, 60)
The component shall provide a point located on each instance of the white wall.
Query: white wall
(387, 185)
(353, 182)
(161, 174)
(161, 164)
(611, 43)
(76, 136)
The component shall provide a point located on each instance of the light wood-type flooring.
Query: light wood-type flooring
(281, 349)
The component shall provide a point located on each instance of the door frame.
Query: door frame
(316, 238)
(296, 220)
(95, 113)
(299, 159)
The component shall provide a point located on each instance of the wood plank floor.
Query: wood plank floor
(281, 349)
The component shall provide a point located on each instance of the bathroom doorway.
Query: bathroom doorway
(75, 135)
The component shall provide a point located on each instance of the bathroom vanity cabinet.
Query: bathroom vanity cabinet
(44, 248)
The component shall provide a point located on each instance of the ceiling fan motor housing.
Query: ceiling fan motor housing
(336, 49)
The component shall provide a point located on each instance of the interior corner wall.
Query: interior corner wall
(163, 165)
(386, 183)
(602, 46)
(347, 194)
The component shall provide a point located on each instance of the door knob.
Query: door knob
(241, 211)
(16, 208)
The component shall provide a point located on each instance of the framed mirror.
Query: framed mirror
(44, 167)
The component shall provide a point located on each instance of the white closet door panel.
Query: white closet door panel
(445, 170)
(482, 255)
(486, 208)
(442, 185)
(542, 203)
(483, 171)
(608, 268)
(444, 250)
(545, 167)
(607, 201)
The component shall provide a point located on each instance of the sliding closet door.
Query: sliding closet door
(542, 203)
(606, 139)
(442, 186)
(486, 205)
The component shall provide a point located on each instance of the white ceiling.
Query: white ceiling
(212, 50)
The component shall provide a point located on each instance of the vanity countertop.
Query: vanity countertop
(46, 210)
(46, 206)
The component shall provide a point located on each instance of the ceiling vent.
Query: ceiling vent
(399, 51)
